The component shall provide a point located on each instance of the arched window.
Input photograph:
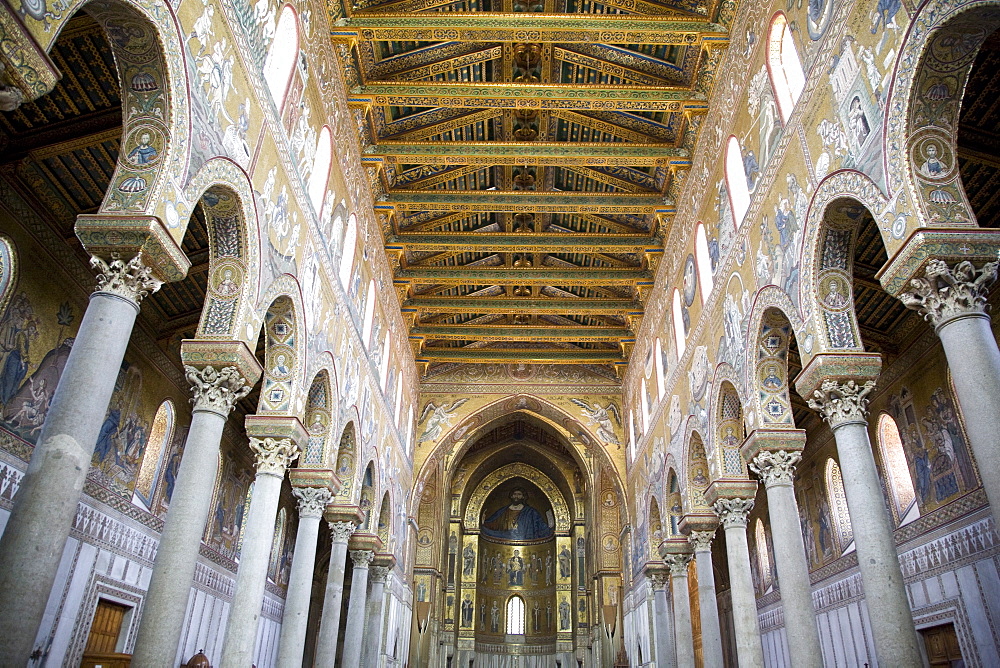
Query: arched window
(320, 175)
(631, 437)
(645, 405)
(837, 499)
(347, 257)
(784, 66)
(383, 361)
(763, 557)
(280, 61)
(660, 371)
(277, 544)
(896, 469)
(704, 262)
(160, 435)
(369, 319)
(409, 430)
(515, 615)
(736, 181)
(399, 399)
(679, 336)
(241, 517)
(8, 271)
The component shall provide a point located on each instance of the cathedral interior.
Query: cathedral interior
(499, 333)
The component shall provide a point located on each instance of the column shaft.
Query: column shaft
(664, 641)
(711, 631)
(749, 650)
(177, 555)
(46, 502)
(251, 578)
(974, 360)
(329, 627)
(896, 642)
(683, 635)
(373, 632)
(354, 632)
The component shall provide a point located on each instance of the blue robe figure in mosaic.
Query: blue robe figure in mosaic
(517, 521)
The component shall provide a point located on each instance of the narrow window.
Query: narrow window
(515, 616)
(347, 257)
(280, 60)
(763, 558)
(366, 330)
(704, 262)
(645, 406)
(894, 462)
(660, 371)
(320, 175)
(679, 336)
(736, 182)
(837, 500)
(784, 65)
(160, 435)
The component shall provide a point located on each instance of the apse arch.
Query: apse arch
(560, 509)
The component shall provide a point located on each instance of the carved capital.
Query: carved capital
(130, 280)
(842, 402)
(946, 293)
(701, 540)
(659, 579)
(216, 391)
(377, 573)
(362, 558)
(11, 98)
(678, 564)
(312, 500)
(733, 512)
(273, 454)
(776, 467)
(341, 531)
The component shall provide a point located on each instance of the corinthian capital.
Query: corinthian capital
(216, 391)
(341, 531)
(946, 293)
(378, 573)
(701, 540)
(677, 563)
(132, 280)
(775, 468)
(733, 512)
(273, 454)
(658, 579)
(839, 403)
(362, 558)
(312, 500)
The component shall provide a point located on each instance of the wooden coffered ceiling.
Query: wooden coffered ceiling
(526, 156)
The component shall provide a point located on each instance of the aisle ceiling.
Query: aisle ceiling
(526, 157)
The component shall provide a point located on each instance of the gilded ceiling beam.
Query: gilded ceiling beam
(522, 276)
(571, 97)
(441, 127)
(523, 202)
(527, 27)
(521, 333)
(580, 306)
(499, 242)
(557, 154)
(528, 356)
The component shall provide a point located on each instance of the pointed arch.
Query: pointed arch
(784, 66)
(763, 555)
(318, 418)
(656, 534)
(161, 434)
(837, 499)
(773, 321)
(347, 458)
(736, 181)
(895, 467)
(9, 270)
(279, 64)
(730, 430)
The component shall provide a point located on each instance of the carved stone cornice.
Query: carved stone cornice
(312, 501)
(131, 280)
(341, 531)
(362, 558)
(110, 237)
(277, 426)
(701, 541)
(946, 293)
(678, 564)
(214, 390)
(772, 440)
(733, 512)
(776, 467)
(273, 454)
(842, 403)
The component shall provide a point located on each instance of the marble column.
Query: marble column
(953, 300)
(355, 630)
(843, 404)
(273, 457)
(683, 635)
(376, 608)
(312, 502)
(165, 604)
(777, 469)
(329, 627)
(733, 513)
(663, 641)
(46, 501)
(711, 630)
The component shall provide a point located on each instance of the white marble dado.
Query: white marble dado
(110, 555)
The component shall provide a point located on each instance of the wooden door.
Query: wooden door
(103, 638)
(942, 646)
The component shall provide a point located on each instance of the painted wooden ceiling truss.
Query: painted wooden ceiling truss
(525, 152)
